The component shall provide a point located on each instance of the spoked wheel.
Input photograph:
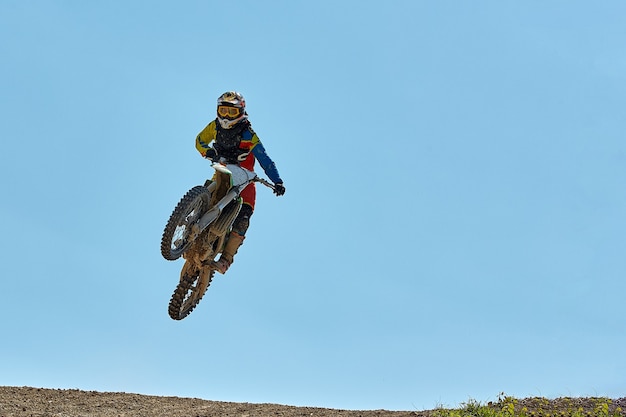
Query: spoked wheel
(190, 290)
(190, 208)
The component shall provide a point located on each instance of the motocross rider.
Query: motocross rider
(233, 139)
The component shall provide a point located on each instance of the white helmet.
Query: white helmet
(231, 109)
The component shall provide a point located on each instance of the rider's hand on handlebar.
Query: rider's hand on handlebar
(211, 154)
(279, 189)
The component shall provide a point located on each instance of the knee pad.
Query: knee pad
(241, 223)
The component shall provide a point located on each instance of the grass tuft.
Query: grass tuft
(507, 406)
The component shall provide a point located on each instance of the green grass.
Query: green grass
(535, 407)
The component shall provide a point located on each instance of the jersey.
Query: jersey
(240, 144)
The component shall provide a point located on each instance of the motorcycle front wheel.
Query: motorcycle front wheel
(175, 240)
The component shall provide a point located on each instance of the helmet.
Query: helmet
(231, 109)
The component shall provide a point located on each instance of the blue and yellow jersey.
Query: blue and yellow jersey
(248, 143)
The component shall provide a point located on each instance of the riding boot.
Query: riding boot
(230, 249)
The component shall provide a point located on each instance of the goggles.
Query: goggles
(228, 112)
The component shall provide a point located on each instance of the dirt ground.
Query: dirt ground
(40, 402)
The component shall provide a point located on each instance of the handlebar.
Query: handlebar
(265, 182)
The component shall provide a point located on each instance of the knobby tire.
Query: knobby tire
(188, 293)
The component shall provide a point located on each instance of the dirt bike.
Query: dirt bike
(198, 229)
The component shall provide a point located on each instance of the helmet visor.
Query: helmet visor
(228, 112)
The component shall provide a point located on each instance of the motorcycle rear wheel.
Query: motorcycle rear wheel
(175, 240)
(190, 290)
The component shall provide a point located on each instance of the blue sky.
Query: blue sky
(454, 224)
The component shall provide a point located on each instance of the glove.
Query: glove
(279, 189)
(211, 154)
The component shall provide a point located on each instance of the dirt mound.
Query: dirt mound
(40, 402)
